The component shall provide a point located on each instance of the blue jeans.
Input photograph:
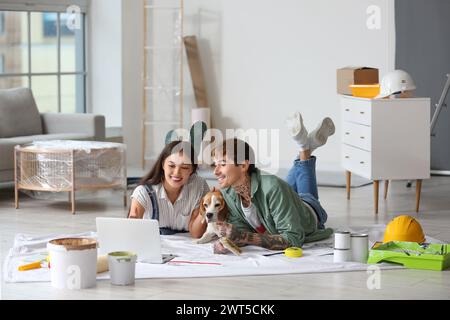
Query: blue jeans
(302, 178)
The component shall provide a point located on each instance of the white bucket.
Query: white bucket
(73, 262)
(122, 267)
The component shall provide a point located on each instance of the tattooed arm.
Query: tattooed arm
(241, 238)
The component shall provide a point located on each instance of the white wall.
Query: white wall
(115, 67)
(105, 60)
(265, 59)
(132, 72)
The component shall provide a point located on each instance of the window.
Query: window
(41, 52)
(49, 24)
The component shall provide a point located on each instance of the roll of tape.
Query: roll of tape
(293, 252)
(342, 240)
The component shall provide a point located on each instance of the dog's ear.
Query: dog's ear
(223, 204)
(201, 209)
(223, 213)
(213, 189)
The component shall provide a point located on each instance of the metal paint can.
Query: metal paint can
(342, 255)
(360, 247)
(122, 267)
(342, 240)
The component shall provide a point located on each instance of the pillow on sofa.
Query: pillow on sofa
(19, 115)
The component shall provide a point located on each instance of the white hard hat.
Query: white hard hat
(395, 81)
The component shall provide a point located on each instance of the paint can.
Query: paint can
(122, 267)
(342, 255)
(342, 240)
(73, 262)
(360, 247)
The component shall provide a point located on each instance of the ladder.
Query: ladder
(441, 103)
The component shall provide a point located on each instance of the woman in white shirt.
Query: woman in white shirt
(171, 191)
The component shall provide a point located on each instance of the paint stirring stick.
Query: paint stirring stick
(195, 262)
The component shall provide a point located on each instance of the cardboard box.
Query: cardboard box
(354, 75)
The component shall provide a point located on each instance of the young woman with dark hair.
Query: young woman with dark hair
(171, 191)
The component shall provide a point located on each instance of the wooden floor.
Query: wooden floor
(44, 217)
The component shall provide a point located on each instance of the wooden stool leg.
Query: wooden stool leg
(418, 190)
(16, 191)
(376, 184)
(349, 180)
(73, 202)
(72, 196)
(16, 195)
(386, 186)
(125, 198)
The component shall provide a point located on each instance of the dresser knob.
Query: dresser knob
(362, 162)
(362, 112)
(347, 133)
(347, 157)
(362, 137)
(347, 109)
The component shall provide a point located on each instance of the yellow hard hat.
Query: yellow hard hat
(404, 228)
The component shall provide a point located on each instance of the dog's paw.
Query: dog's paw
(207, 237)
(230, 245)
(200, 241)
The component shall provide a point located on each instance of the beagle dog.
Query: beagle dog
(213, 209)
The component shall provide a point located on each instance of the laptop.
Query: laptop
(140, 236)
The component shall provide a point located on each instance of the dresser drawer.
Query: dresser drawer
(357, 135)
(357, 161)
(357, 110)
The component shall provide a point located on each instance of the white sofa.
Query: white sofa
(21, 123)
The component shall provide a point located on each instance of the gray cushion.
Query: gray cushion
(19, 115)
(7, 145)
(6, 176)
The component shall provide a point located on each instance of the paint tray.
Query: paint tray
(412, 255)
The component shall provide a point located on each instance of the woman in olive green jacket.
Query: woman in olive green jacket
(265, 210)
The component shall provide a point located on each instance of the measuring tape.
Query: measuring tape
(293, 252)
